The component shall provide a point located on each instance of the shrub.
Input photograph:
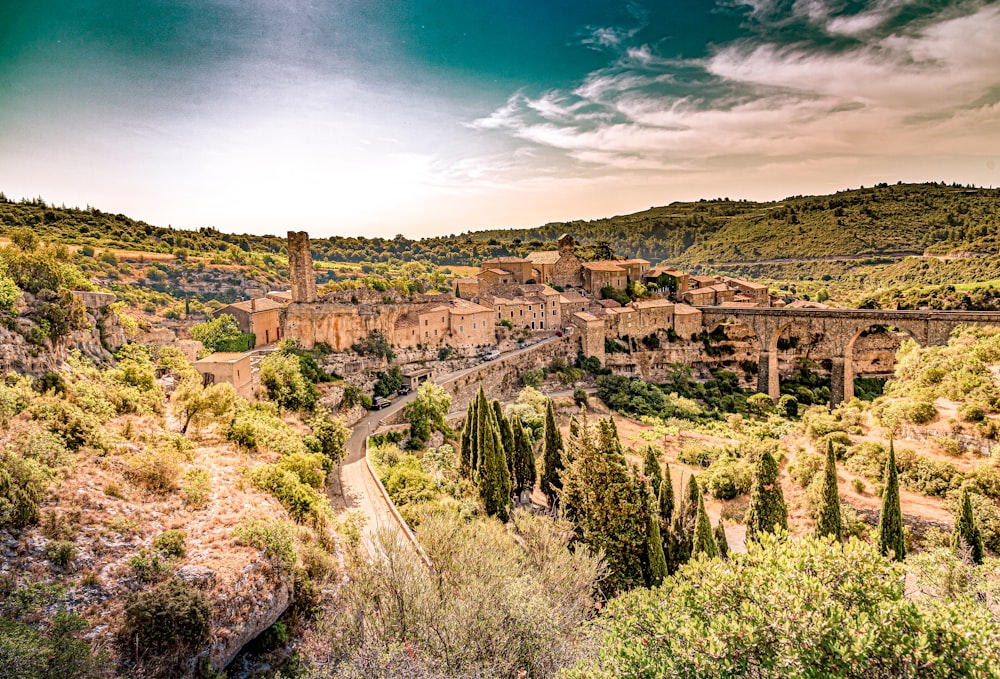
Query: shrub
(158, 469)
(858, 485)
(282, 378)
(258, 429)
(309, 467)
(171, 543)
(61, 553)
(533, 377)
(804, 467)
(196, 487)
(973, 412)
(301, 500)
(170, 617)
(789, 406)
(274, 536)
(22, 488)
(76, 427)
(920, 412)
(580, 397)
(148, 565)
(726, 478)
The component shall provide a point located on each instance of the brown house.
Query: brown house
(258, 316)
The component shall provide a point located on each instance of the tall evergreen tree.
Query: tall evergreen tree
(494, 475)
(966, 534)
(552, 457)
(682, 526)
(829, 512)
(469, 438)
(610, 508)
(720, 540)
(656, 568)
(666, 497)
(524, 459)
(767, 512)
(651, 468)
(890, 520)
(506, 436)
(704, 539)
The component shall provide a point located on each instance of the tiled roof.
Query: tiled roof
(544, 257)
(603, 266)
(253, 306)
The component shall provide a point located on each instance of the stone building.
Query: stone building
(598, 275)
(520, 269)
(234, 368)
(262, 317)
(750, 291)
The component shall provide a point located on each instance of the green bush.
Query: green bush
(171, 617)
(196, 487)
(274, 536)
(726, 478)
(302, 501)
(61, 553)
(27, 652)
(258, 429)
(533, 377)
(148, 565)
(22, 488)
(804, 467)
(309, 467)
(158, 469)
(171, 543)
(282, 377)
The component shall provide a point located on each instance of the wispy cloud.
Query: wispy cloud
(915, 89)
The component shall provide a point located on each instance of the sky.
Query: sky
(430, 117)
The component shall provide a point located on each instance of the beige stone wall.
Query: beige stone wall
(687, 324)
(474, 329)
(567, 272)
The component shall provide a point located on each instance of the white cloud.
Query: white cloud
(909, 93)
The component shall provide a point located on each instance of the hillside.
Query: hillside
(860, 223)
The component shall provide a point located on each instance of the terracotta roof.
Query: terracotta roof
(466, 279)
(571, 297)
(461, 306)
(609, 303)
(253, 306)
(719, 287)
(681, 308)
(498, 272)
(704, 279)
(636, 260)
(544, 257)
(603, 266)
(584, 316)
(659, 270)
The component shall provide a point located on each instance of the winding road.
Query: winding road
(355, 488)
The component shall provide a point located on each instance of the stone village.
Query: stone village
(513, 301)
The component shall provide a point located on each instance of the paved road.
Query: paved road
(354, 489)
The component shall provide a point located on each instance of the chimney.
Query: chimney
(253, 305)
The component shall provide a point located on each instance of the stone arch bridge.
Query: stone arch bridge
(841, 327)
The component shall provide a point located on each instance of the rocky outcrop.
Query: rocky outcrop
(97, 336)
(244, 610)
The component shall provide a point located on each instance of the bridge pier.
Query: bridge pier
(841, 380)
(767, 375)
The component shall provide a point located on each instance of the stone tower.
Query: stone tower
(300, 265)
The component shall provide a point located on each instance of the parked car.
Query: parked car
(491, 355)
(380, 402)
(404, 390)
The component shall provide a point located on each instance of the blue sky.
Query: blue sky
(380, 117)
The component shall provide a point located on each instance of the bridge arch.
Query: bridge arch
(849, 372)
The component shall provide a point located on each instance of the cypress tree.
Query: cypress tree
(767, 511)
(657, 568)
(720, 540)
(682, 526)
(552, 457)
(966, 534)
(890, 520)
(494, 476)
(666, 497)
(468, 439)
(506, 436)
(829, 513)
(524, 459)
(704, 540)
(651, 468)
